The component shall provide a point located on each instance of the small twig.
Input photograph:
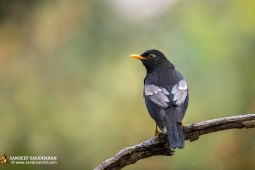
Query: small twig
(160, 146)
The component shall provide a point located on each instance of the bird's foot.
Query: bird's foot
(183, 124)
(171, 151)
(157, 137)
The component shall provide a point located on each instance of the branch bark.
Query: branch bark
(160, 146)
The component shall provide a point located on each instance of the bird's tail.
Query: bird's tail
(175, 133)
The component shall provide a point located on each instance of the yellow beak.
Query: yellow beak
(137, 56)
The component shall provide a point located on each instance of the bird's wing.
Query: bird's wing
(158, 95)
(162, 97)
(158, 99)
(179, 93)
(179, 97)
(157, 113)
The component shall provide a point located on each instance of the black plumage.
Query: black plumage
(166, 95)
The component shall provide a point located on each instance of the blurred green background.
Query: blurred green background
(69, 88)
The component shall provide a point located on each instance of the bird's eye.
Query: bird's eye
(151, 55)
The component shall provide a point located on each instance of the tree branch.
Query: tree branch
(160, 146)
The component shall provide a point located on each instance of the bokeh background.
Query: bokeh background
(68, 87)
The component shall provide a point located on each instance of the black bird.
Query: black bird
(166, 95)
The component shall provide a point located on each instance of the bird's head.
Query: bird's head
(152, 59)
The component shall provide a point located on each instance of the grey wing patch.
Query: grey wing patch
(158, 95)
(179, 92)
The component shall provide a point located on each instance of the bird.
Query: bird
(166, 95)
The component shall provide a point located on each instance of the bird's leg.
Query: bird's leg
(156, 131)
